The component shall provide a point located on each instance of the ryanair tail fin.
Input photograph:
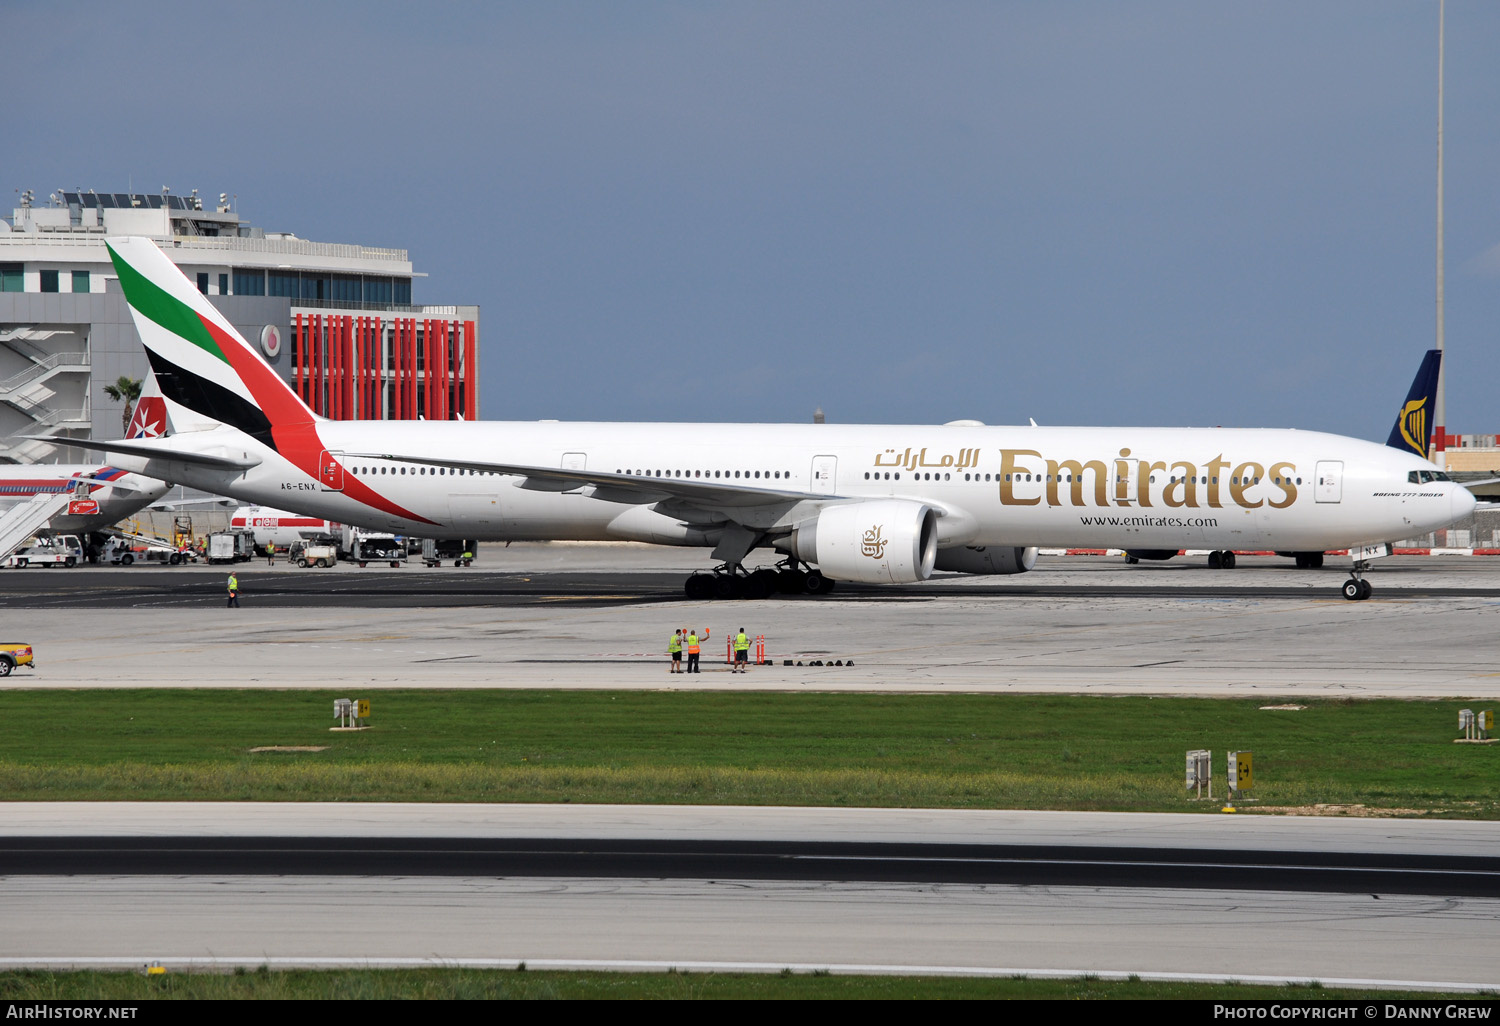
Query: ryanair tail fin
(1414, 424)
(199, 360)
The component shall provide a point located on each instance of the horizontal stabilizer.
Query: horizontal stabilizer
(151, 451)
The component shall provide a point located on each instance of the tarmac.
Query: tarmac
(599, 616)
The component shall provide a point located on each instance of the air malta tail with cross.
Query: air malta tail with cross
(868, 503)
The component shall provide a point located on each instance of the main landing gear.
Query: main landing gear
(1356, 588)
(732, 581)
(1221, 560)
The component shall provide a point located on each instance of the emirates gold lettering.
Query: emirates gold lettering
(1027, 478)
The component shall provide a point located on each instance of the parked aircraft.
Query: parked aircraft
(868, 503)
(79, 498)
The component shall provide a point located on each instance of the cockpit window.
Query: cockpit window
(1426, 476)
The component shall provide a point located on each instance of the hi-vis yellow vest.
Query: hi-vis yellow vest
(741, 642)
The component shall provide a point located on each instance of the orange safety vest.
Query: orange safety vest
(693, 641)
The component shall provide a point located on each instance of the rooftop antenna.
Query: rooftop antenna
(818, 415)
(1439, 413)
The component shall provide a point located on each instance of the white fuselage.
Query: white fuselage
(1134, 488)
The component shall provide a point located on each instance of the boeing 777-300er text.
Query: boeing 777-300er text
(871, 503)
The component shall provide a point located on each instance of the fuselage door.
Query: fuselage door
(1128, 484)
(825, 471)
(331, 471)
(1330, 483)
(575, 461)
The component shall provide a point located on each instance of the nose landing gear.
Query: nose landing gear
(1356, 588)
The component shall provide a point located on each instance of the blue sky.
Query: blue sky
(1088, 213)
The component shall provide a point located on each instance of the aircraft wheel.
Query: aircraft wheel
(699, 587)
(1353, 590)
(1315, 561)
(728, 586)
(1227, 559)
(1366, 589)
(1131, 560)
(1215, 561)
(791, 582)
(817, 584)
(757, 586)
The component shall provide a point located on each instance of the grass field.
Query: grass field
(948, 751)
(490, 984)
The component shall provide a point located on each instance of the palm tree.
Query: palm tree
(127, 391)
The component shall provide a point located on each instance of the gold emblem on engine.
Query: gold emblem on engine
(872, 544)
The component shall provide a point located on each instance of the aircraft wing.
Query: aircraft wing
(630, 489)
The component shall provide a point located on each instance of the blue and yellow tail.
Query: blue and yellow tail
(1414, 425)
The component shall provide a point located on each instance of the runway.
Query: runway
(1074, 625)
(1366, 937)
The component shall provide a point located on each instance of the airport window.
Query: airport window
(11, 278)
(80, 281)
(403, 291)
(223, 284)
(49, 281)
(249, 283)
(203, 282)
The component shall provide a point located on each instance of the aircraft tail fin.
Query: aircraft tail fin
(1414, 424)
(149, 418)
(199, 360)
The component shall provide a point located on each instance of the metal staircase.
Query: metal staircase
(25, 519)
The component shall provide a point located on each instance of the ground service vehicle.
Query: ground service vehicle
(13, 654)
(377, 548)
(306, 554)
(231, 547)
(63, 550)
(460, 550)
(867, 503)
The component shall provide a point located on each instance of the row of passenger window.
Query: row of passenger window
(434, 471)
(720, 474)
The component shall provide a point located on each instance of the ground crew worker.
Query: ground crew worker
(270, 553)
(234, 592)
(693, 649)
(741, 652)
(674, 649)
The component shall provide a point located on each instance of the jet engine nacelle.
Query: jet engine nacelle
(883, 541)
(987, 559)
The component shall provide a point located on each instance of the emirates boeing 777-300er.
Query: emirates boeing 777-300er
(882, 504)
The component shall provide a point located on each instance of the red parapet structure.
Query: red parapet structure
(299, 358)
(470, 372)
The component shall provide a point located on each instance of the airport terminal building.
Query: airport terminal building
(335, 320)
